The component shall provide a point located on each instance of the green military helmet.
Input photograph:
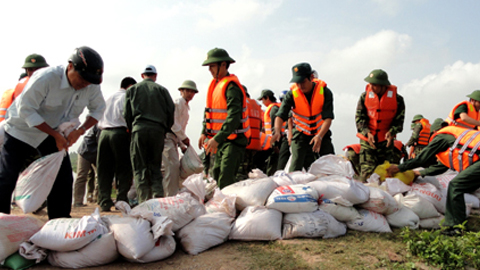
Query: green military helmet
(378, 76)
(417, 117)
(438, 124)
(217, 55)
(35, 61)
(475, 95)
(189, 84)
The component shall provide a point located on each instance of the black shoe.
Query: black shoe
(451, 231)
(79, 205)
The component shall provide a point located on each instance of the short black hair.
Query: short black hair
(271, 98)
(127, 81)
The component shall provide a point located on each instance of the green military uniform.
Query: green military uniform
(417, 148)
(302, 153)
(149, 113)
(354, 158)
(464, 182)
(370, 157)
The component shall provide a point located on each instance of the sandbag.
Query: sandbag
(339, 212)
(101, 251)
(67, 234)
(205, 232)
(302, 177)
(257, 174)
(341, 190)
(312, 225)
(164, 248)
(281, 178)
(403, 218)
(257, 223)
(181, 209)
(36, 181)
(293, 199)
(14, 230)
(381, 202)
(419, 205)
(190, 163)
(222, 203)
(251, 192)
(370, 222)
(431, 223)
(395, 186)
(332, 165)
(431, 193)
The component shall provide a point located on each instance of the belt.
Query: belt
(112, 128)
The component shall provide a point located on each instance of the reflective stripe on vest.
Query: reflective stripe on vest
(471, 112)
(266, 141)
(307, 116)
(268, 122)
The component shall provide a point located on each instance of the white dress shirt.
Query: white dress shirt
(48, 97)
(113, 116)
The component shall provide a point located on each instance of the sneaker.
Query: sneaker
(79, 205)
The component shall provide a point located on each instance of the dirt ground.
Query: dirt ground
(225, 256)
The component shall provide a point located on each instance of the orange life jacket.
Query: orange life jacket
(7, 99)
(216, 110)
(19, 87)
(355, 147)
(268, 122)
(255, 118)
(380, 111)
(464, 152)
(308, 118)
(458, 122)
(424, 136)
(265, 140)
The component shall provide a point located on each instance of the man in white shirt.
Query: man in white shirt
(171, 162)
(113, 156)
(53, 96)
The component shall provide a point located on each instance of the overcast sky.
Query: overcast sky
(429, 48)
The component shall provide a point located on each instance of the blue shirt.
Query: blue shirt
(48, 97)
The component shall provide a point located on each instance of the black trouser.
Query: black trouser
(13, 159)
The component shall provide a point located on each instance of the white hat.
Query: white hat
(150, 69)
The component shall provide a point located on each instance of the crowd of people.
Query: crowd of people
(139, 127)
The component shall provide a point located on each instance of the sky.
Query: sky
(429, 48)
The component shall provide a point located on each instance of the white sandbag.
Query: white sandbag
(257, 223)
(338, 211)
(395, 186)
(370, 222)
(282, 178)
(31, 251)
(428, 179)
(195, 185)
(101, 251)
(190, 163)
(132, 192)
(14, 230)
(419, 205)
(293, 199)
(381, 202)
(164, 248)
(36, 181)
(181, 209)
(67, 127)
(257, 174)
(471, 199)
(222, 203)
(403, 218)
(251, 192)
(431, 223)
(341, 190)
(205, 232)
(67, 234)
(133, 235)
(332, 165)
(431, 193)
(312, 225)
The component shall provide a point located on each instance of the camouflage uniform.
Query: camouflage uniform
(417, 148)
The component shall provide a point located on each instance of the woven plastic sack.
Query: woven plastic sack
(252, 192)
(370, 222)
(293, 199)
(257, 223)
(190, 163)
(332, 165)
(338, 211)
(381, 202)
(164, 248)
(14, 230)
(312, 225)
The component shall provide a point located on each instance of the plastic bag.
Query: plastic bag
(36, 181)
(406, 177)
(190, 163)
(332, 165)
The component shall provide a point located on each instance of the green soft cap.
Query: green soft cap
(475, 95)
(300, 72)
(188, 84)
(417, 117)
(35, 61)
(438, 124)
(266, 93)
(378, 76)
(217, 55)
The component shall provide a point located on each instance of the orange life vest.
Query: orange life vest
(7, 99)
(255, 118)
(464, 152)
(424, 136)
(308, 118)
(20, 85)
(268, 122)
(470, 112)
(265, 140)
(380, 111)
(354, 147)
(216, 110)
